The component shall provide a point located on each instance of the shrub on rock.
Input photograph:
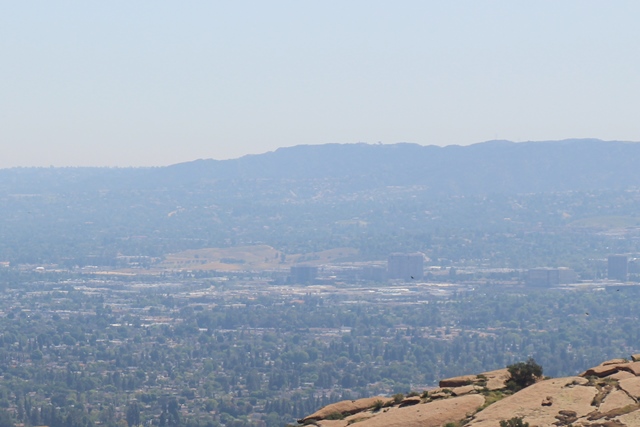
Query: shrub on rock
(523, 374)
(514, 422)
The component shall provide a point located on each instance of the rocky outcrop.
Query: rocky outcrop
(346, 407)
(540, 403)
(605, 369)
(432, 414)
(607, 395)
(459, 381)
(492, 380)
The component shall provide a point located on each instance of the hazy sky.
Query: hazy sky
(119, 83)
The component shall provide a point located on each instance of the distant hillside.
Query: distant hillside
(488, 167)
(373, 198)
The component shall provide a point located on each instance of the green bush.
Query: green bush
(514, 422)
(335, 416)
(523, 374)
(397, 398)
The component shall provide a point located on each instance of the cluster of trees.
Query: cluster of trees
(124, 353)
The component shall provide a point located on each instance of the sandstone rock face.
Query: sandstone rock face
(613, 362)
(601, 371)
(633, 367)
(621, 375)
(630, 419)
(439, 394)
(492, 380)
(409, 401)
(332, 423)
(432, 414)
(607, 395)
(569, 394)
(631, 386)
(345, 407)
(604, 370)
(458, 381)
(497, 380)
(459, 391)
(615, 400)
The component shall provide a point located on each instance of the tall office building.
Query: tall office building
(373, 273)
(303, 274)
(405, 266)
(617, 267)
(550, 276)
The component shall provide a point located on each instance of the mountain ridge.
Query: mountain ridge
(489, 167)
(484, 168)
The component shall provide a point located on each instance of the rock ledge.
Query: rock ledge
(605, 395)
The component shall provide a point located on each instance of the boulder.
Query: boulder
(547, 401)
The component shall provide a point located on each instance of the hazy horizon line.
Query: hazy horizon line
(307, 145)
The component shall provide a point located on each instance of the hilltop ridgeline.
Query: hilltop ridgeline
(447, 202)
(488, 167)
(607, 395)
